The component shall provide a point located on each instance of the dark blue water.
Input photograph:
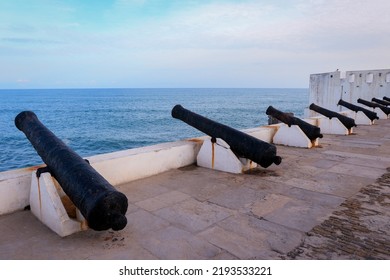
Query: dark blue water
(96, 121)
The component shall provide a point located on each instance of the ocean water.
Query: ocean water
(96, 121)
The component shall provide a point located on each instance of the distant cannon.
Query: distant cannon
(386, 98)
(370, 114)
(374, 105)
(346, 121)
(242, 144)
(98, 201)
(312, 132)
(380, 101)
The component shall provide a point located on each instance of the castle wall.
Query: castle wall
(326, 89)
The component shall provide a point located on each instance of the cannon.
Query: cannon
(99, 202)
(374, 105)
(312, 132)
(380, 101)
(386, 98)
(242, 144)
(370, 114)
(346, 121)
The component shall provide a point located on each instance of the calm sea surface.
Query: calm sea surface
(96, 121)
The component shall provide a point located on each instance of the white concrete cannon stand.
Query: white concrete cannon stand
(332, 126)
(293, 136)
(220, 157)
(46, 205)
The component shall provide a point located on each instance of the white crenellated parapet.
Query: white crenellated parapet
(326, 89)
(47, 202)
(218, 155)
(293, 136)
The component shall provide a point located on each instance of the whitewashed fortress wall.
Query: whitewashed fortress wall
(326, 89)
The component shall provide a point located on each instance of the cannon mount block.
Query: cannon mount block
(46, 203)
(216, 154)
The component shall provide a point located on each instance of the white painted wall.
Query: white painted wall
(326, 89)
(118, 168)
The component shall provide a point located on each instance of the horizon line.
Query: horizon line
(87, 88)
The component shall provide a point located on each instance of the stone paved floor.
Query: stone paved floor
(320, 203)
(358, 229)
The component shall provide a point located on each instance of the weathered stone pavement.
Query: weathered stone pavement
(320, 203)
(358, 229)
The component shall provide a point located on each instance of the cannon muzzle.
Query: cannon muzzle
(346, 121)
(312, 132)
(100, 203)
(374, 105)
(380, 101)
(386, 98)
(241, 144)
(370, 114)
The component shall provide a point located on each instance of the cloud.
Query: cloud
(221, 43)
(299, 26)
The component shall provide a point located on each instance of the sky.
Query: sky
(186, 44)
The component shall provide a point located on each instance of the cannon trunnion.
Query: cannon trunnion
(98, 201)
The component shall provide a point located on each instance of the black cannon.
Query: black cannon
(374, 105)
(386, 98)
(380, 101)
(312, 132)
(242, 144)
(100, 203)
(346, 121)
(370, 114)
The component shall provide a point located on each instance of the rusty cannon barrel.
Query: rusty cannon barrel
(312, 132)
(242, 144)
(386, 98)
(100, 203)
(374, 105)
(346, 121)
(380, 101)
(370, 114)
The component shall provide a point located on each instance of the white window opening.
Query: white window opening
(369, 78)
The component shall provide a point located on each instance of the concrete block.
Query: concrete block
(333, 126)
(46, 198)
(14, 190)
(220, 157)
(293, 136)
